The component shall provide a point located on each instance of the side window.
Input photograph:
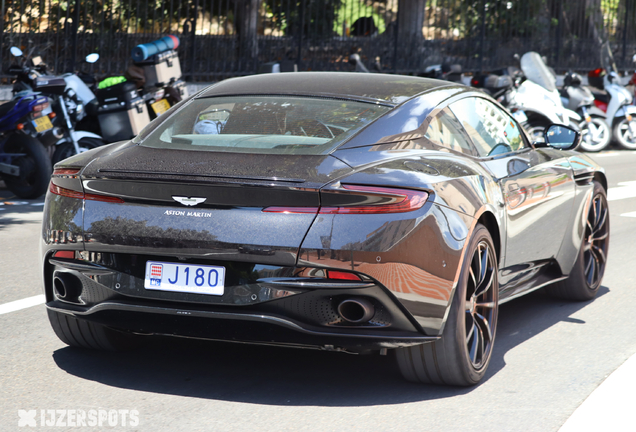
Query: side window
(491, 129)
(446, 131)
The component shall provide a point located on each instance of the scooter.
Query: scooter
(614, 99)
(538, 96)
(70, 95)
(595, 131)
(25, 164)
(530, 95)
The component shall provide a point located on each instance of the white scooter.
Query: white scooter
(537, 96)
(621, 115)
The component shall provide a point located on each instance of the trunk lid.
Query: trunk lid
(200, 204)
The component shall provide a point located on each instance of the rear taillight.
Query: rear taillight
(375, 200)
(336, 274)
(70, 193)
(40, 107)
(57, 190)
(65, 254)
(37, 109)
(66, 172)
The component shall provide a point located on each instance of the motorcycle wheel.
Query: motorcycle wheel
(67, 149)
(35, 167)
(596, 135)
(535, 130)
(623, 135)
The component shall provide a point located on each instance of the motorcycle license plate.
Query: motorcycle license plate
(186, 278)
(42, 124)
(520, 116)
(160, 106)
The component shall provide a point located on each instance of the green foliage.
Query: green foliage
(317, 17)
(507, 18)
(351, 10)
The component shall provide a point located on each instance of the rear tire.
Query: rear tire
(463, 353)
(35, 167)
(84, 334)
(66, 150)
(587, 274)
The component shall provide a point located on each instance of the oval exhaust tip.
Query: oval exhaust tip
(356, 310)
(67, 286)
(59, 287)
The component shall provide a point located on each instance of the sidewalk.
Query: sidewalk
(609, 407)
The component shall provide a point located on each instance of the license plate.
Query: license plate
(186, 278)
(42, 124)
(160, 107)
(520, 116)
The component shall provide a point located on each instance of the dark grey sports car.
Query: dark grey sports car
(344, 212)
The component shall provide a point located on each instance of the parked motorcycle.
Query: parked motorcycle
(70, 96)
(529, 94)
(25, 123)
(540, 99)
(614, 99)
(444, 71)
(595, 131)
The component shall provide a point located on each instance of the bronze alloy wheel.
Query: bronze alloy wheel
(462, 354)
(481, 306)
(587, 273)
(596, 241)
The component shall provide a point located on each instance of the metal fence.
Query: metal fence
(222, 38)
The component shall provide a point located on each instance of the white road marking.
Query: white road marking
(37, 204)
(623, 191)
(614, 153)
(21, 304)
(630, 214)
(610, 406)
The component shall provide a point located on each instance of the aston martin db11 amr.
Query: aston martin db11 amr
(345, 212)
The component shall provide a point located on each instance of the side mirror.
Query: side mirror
(92, 58)
(560, 137)
(16, 52)
(634, 58)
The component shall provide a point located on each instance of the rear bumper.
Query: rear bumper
(272, 310)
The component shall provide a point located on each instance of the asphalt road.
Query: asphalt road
(549, 356)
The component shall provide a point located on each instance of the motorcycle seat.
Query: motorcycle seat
(600, 95)
(7, 106)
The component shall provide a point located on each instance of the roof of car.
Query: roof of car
(384, 88)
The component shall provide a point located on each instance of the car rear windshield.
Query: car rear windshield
(263, 124)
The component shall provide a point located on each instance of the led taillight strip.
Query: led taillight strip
(66, 171)
(57, 190)
(405, 200)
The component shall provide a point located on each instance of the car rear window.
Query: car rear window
(263, 124)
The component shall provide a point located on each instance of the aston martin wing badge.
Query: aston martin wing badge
(188, 201)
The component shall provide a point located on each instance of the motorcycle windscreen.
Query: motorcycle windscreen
(607, 58)
(536, 71)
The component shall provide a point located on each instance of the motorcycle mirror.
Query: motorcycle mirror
(16, 52)
(92, 58)
(634, 58)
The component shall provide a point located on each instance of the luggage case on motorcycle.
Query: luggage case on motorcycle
(161, 69)
(121, 112)
(181, 88)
